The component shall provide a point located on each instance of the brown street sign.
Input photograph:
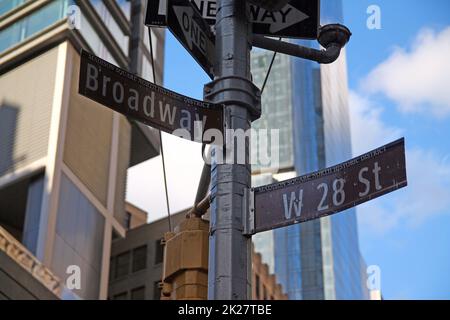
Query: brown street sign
(329, 191)
(146, 102)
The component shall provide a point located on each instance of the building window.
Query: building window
(94, 41)
(127, 220)
(138, 293)
(120, 296)
(159, 252)
(8, 5)
(264, 293)
(139, 258)
(125, 5)
(32, 24)
(157, 290)
(108, 19)
(122, 265)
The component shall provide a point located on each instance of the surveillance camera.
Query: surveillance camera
(334, 34)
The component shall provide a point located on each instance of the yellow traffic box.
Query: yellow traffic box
(185, 271)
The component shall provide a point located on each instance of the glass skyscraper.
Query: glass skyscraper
(308, 103)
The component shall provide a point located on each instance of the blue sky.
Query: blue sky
(398, 77)
(406, 233)
(413, 250)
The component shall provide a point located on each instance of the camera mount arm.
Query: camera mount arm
(332, 37)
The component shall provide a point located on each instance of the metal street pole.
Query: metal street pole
(229, 250)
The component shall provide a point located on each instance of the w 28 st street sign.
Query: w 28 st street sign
(329, 191)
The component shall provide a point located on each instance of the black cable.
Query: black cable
(268, 71)
(160, 134)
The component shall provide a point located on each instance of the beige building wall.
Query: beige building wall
(136, 216)
(123, 162)
(264, 283)
(88, 139)
(26, 97)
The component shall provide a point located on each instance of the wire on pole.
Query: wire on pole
(268, 71)
(160, 134)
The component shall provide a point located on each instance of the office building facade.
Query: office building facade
(63, 157)
(137, 263)
(137, 260)
(308, 102)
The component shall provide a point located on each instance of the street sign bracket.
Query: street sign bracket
(249, 214)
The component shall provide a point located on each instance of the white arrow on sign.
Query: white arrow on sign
(278, 20)
(193, 33)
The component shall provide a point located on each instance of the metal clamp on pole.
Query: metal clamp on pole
(234, 90)
(332, 37)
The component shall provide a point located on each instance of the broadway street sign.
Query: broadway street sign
(146, 102)
(188, 26)
(329, 191)
(298, 19)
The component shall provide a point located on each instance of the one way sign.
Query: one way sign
(298, 19)
(193, 32)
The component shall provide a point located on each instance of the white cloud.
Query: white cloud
(426, 196)
(428, 191)
(417, 79)
(368, 129)
(183, 166)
